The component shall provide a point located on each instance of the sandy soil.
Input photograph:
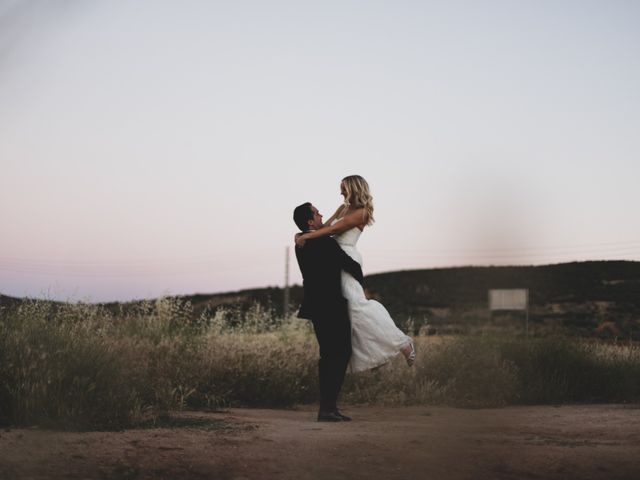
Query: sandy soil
(565, 442)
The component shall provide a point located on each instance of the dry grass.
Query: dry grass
(80, 366)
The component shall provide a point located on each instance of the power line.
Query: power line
(118, 263)
(594, 247)
(109, 272)
(206, 258)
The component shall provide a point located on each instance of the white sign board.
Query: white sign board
(513, 299)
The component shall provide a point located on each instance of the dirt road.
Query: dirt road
(566, 442)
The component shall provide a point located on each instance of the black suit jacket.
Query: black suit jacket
(321, 262)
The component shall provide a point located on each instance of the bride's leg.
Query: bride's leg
(409, 353)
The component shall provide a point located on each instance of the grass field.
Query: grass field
(80, 366)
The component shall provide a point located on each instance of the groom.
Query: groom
(321, 262)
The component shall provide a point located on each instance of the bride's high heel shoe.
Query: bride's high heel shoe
(411, 357)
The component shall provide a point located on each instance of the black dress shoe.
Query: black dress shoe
(329, 417)
(343, 417)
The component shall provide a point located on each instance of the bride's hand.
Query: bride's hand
(300, 239)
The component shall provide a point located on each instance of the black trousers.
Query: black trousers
(334, 338)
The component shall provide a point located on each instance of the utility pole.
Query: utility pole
(285, 306)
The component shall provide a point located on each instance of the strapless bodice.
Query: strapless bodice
(349, 237)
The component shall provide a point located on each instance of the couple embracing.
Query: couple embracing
(353, 332)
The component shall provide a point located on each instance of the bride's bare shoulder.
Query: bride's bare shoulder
(357, 212)
(341, 210)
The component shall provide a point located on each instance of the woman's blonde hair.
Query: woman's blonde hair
(357, 195)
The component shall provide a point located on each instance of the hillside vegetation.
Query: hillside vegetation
(583, 298)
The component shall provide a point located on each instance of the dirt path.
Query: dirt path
(568, 442)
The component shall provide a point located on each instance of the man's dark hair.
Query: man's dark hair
(302, 214)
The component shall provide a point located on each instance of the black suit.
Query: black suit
(321, 262)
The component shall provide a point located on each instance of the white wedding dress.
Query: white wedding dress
(375, 339)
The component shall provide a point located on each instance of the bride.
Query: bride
(375, 339)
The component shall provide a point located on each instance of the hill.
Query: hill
(585, 297)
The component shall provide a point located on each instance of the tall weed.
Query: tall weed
(79, 366)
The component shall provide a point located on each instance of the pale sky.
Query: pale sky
(153, 147)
